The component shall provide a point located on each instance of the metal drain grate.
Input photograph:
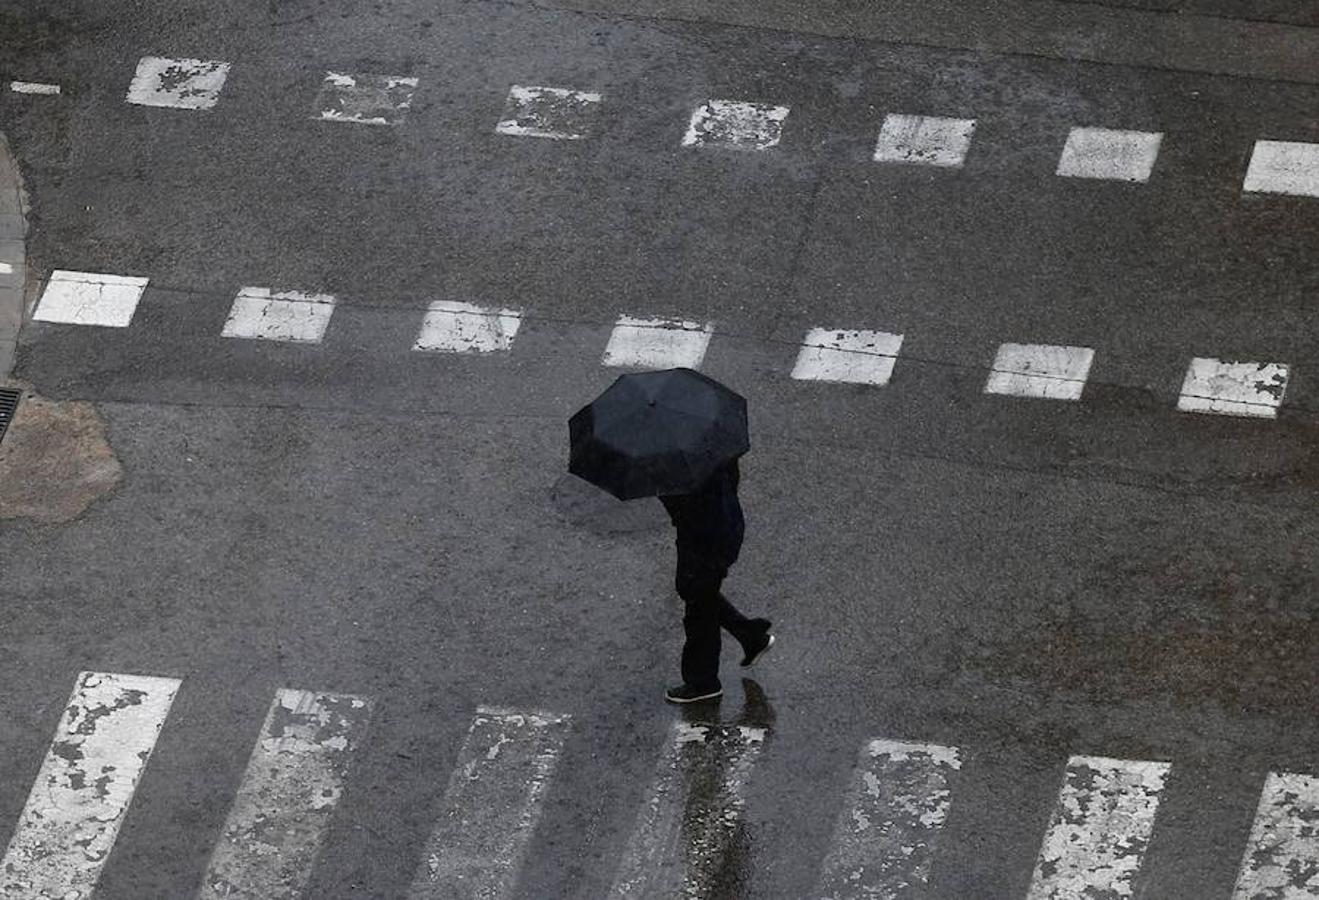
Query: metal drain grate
(8, 403)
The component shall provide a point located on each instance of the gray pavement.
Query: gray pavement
(13, 260)
(1021, 582)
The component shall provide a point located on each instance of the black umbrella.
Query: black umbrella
(655, 433)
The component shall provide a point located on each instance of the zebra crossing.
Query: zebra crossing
(1231, 387)
(886, 842)
(561, 113)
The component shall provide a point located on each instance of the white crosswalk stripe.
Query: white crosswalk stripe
(736, 125)
(549, 112)
(856, 357)
(293, 316)
(491, 805)
(365, 99)
(1233, 388)
(924, 140)
(1282, 855)
(657, 343)
(1099, 830)
(85, 784)
(89, 298)
(1109, 154)
(178, 83)
(1040, 370)
(1284, 167)
(451, 327)
(895, 808)
(292, 784)
(688, 823)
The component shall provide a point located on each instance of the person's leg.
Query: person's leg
(698, 586)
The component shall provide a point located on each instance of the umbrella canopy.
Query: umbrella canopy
(655, 433)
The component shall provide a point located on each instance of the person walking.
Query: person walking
(677, 434)
(710, 528)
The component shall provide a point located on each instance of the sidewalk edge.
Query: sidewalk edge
(13, 230)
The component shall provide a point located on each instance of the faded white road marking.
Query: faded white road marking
(6, 268)
(365, 99)
(84, 787)
(927, 140)
(687, 827)
(284, 316)
(885, 839)
(1108, 153)
(1040, 370)
(736, 124)
(292, 784)
(657, 343)
(178, 83)
(491, 806)
(34, 87)
(1282, 857)
(549, 112)
(859, 357)
(451, 327)
(1233, 388)
(1284, 167)
(89, 298)
(1099, 830)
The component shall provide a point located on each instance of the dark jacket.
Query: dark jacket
(709, 520)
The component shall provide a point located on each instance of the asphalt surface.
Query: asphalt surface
(1025, 580)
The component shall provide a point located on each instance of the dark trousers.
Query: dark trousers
(698, 583)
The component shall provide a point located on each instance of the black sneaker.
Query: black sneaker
(760, 648)
(686, 693)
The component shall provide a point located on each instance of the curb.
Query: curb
(13, 261)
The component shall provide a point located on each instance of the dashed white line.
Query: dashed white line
(1099, 830)
(657, 343)
(293, 316)
(1282, 856)
(857, 357)
(549, 112)
(89, 298)
(1040, 370)
(884, 843)
(365, 99)
(491, 805)
(86, 782)
(681, 839)
(34, 87)
(926, 140)
(452, 327)
(178, 83)
(1110, 154)
(1233, 388)
(736, 124)
(1284, 167)
(293, 782)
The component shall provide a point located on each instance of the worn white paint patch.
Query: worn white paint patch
(451, 327)
(1111, 154)
(684, 832)
(858, 357)
(178, 83)
(86, 782)
(1282, 856)
(491, 805)
(1284, 167)
(1040, 370)
(365, 99)
(1233, 388)
(6, 268)
(259, 313)
(34, 87)
(884, 842)
(549, 112)
(293, 782)
(657, 343)
(927, 140)
(736, 124)
(1100, 829)
(89, 298)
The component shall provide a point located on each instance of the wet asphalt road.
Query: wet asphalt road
(1025, 580)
